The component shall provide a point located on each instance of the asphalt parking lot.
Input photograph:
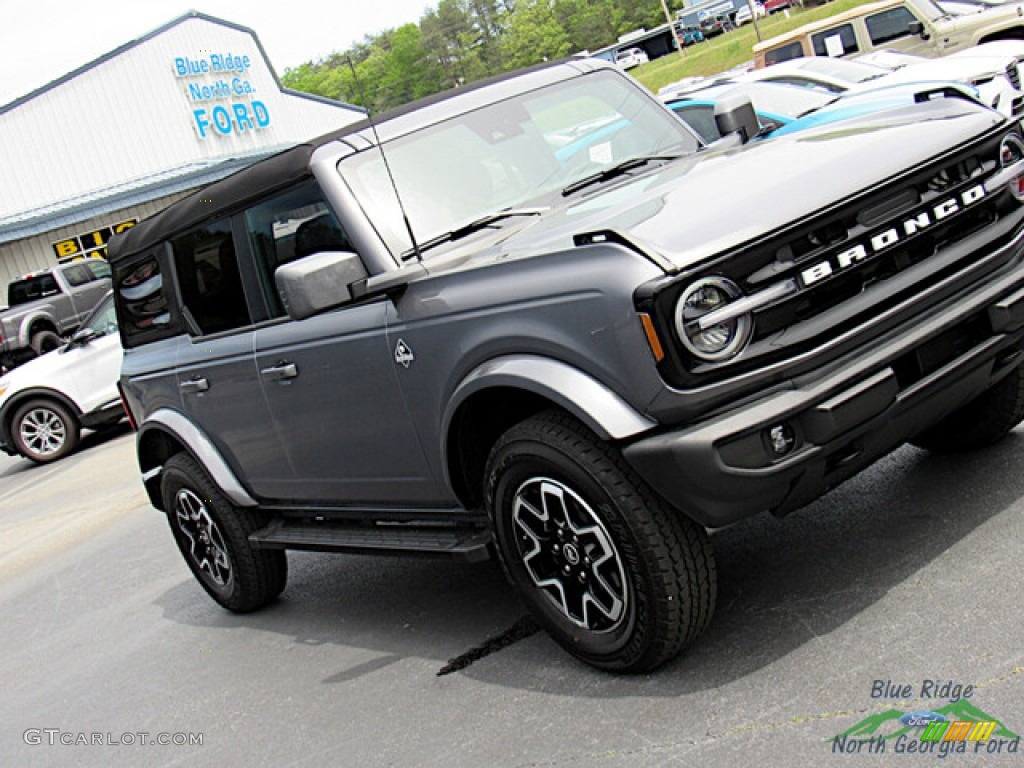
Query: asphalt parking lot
(909, 573)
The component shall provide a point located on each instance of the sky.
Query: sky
(44, 39)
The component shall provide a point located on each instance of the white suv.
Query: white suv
(45, 403)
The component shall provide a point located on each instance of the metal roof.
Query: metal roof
(46, 218)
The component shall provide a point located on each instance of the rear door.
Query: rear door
(216, 374)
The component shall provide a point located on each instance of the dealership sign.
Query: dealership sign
(221, 94)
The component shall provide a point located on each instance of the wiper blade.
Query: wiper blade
(478, 224)
(613, 171)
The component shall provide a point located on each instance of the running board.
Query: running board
(470, 544)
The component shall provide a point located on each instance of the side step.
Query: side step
(470, 544)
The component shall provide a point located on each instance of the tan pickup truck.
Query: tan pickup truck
(913, 26)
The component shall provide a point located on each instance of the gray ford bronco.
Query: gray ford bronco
(537, 317)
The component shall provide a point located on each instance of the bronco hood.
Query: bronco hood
(694, 208)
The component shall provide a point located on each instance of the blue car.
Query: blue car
(783, 108)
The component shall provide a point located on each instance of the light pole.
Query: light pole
(675, 32)
(753, 18)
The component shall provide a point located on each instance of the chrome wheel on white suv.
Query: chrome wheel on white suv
(44, 431)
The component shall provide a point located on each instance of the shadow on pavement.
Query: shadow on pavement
(781, 583)
(11, 466)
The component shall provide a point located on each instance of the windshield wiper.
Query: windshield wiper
(613, 171)
(477, 224)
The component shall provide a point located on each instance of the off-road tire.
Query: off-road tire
(213, 537)
(658, 596)
(45, 341)
(44, 430)
(983, 421)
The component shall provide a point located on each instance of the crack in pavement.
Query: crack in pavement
(521, 630)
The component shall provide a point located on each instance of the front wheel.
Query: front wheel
(213, 537)
(616, 578)
(981, 422)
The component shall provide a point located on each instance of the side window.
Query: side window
(209, 278)
(701, 118)
(141, 297)
(838, 41)
(99, 268)
(785, 53)
(294, 224)
(77, 275)
(889, 25)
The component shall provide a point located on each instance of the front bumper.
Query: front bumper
(723, 469)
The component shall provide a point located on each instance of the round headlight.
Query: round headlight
(1011, 152)
(717, 341)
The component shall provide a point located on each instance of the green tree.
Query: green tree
(534, 34)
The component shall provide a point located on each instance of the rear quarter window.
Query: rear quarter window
(784, 53)
(142, 296)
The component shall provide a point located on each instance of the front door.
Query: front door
(333, 393)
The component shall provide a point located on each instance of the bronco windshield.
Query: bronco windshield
(510, 154)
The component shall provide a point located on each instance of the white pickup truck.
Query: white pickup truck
(46, 305)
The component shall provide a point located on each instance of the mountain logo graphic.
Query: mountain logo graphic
(894, 723)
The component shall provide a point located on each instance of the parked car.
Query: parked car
(711, 26)
(46, 305)
(689, 35)
(999, 55)
(775, 6)
(744, 16)
(913, 26)
(631, 57)
(47, 402)
(580, 360)
(784, 108)
(992, 76)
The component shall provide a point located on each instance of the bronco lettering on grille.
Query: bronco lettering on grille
(887, 238)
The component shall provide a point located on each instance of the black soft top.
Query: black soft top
(227, 195)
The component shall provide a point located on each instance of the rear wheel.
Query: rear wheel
(213, 536)
(982, 421)
(619, 580)
(45, 341)
(44, 431)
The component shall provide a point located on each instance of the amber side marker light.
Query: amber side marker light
(652, 337)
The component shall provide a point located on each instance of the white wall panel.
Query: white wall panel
(131, 116)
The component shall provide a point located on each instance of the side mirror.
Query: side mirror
(318, 282)
(735, 114)
(917, 28)
(82, 337)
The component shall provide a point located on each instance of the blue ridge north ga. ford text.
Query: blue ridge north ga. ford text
(215, 63)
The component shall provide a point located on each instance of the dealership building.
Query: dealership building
(120, 138)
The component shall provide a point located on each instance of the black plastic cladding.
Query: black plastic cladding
(783, 254)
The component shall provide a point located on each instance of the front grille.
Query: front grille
(850, 263)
